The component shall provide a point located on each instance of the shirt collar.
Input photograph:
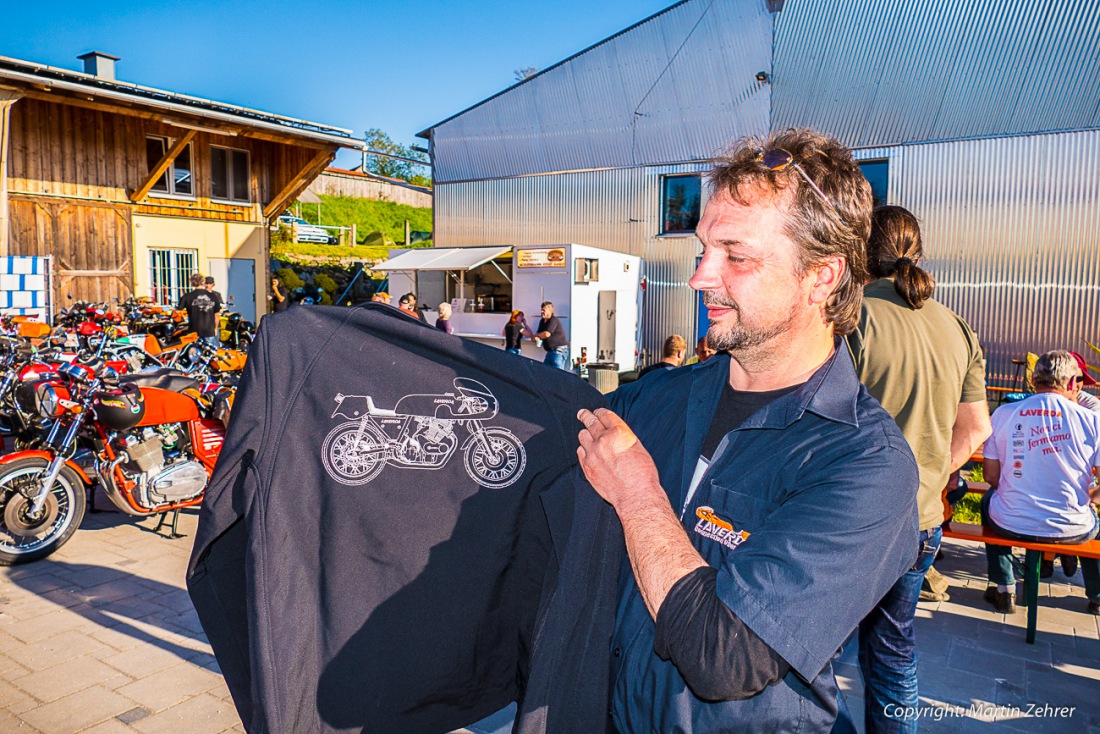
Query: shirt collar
(831, 392)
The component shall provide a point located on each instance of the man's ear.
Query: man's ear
(825, 277)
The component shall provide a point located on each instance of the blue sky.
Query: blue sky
(398, 66)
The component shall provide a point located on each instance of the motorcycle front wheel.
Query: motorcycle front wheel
(353, 459)
(500, 464)
(23, 537)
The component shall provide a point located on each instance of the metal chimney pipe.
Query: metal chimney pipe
(99, 64)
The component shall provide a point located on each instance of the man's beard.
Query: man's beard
(737, 336)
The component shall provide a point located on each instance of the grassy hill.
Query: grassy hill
(368, 216)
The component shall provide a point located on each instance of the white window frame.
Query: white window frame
(169, 278)
(231, 174)
(170, 172)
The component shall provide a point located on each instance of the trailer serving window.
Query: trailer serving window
(473, 279)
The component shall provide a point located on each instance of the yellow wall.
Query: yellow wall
(210, 239)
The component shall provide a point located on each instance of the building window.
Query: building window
(229, 176)
(169, 273)
(177, 180)
(877, 174)
(680, 204)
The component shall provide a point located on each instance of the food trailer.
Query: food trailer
(595, 293)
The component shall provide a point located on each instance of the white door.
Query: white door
(236, 278)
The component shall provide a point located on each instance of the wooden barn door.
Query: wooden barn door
(91, 245)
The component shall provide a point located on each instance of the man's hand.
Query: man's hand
(613, 459)
(623, 473)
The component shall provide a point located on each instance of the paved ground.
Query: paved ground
(101, 637)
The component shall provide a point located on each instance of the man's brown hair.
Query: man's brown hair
(673, 345)
(895, 249)
(819, 230)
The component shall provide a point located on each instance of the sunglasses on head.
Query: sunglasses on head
(777, 159)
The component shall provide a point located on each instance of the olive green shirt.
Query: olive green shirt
(920, 364)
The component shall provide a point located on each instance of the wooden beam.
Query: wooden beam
(298, 183)
(7, 99)
(125, 108)
(162, 166)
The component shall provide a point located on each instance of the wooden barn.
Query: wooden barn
(132, 189)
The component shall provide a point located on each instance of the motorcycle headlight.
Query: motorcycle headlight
(49, 405)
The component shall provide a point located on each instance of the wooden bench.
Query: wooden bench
(1035, 552)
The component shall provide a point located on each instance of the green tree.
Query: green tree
(378, 140)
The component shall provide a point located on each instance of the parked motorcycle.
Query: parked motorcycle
(419, 433)
(235, 331)
(143, 437)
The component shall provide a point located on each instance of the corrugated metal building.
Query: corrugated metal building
(987, 116)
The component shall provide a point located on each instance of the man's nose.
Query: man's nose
(706, 277)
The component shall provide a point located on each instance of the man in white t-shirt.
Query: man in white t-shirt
(1039, 461)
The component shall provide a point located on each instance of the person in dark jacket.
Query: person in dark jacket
(671, 356)
(514, 331)
(766, 499)
(280, 297)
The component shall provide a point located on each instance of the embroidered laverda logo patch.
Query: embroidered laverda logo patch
(712, 527)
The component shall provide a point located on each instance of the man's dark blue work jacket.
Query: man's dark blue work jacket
(808, 512)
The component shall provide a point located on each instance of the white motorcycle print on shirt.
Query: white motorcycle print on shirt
(419, 433)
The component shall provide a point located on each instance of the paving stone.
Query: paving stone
(145, 660)
(57, 649)
(73, 675)
(966, 656)
(43, 626)
(78, 710)
(171, 686)
(11, 724)
(202, 714)
(13, 696)
(110, 726)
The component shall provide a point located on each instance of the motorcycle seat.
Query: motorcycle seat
(372, 409)
(165, 379)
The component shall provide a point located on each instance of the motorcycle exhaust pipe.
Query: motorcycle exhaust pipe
(106, 478)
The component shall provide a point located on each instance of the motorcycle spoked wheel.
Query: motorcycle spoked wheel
(23, 538)
(500, 468)
(344, 457)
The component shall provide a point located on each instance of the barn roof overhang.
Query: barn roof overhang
(63, 85)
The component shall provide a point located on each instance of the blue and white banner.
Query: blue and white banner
(25, 285)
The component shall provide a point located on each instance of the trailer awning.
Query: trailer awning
(444, 258)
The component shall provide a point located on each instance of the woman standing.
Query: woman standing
(514, 331)
(443, 323)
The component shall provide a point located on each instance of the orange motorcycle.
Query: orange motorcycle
(149, 440)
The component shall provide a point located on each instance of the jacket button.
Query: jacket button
(617, 652)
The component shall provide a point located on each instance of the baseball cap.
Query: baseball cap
(208, 279)
(1086, 378)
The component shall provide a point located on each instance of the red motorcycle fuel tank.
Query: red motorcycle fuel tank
(165, 406)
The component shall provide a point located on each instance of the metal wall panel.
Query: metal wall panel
(1012, 232)
(616, 209)
(1011, 229)
(675, 87)
(886, 72)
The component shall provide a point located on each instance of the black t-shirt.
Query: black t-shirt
(557, 336)
(513, 335)
(716, 653)
(278, 305)
(202, 310)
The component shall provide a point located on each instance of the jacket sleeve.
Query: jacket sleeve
(216, 573)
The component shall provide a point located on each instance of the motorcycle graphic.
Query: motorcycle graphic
(420, 433)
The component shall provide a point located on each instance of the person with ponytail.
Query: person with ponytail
(924, 364)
